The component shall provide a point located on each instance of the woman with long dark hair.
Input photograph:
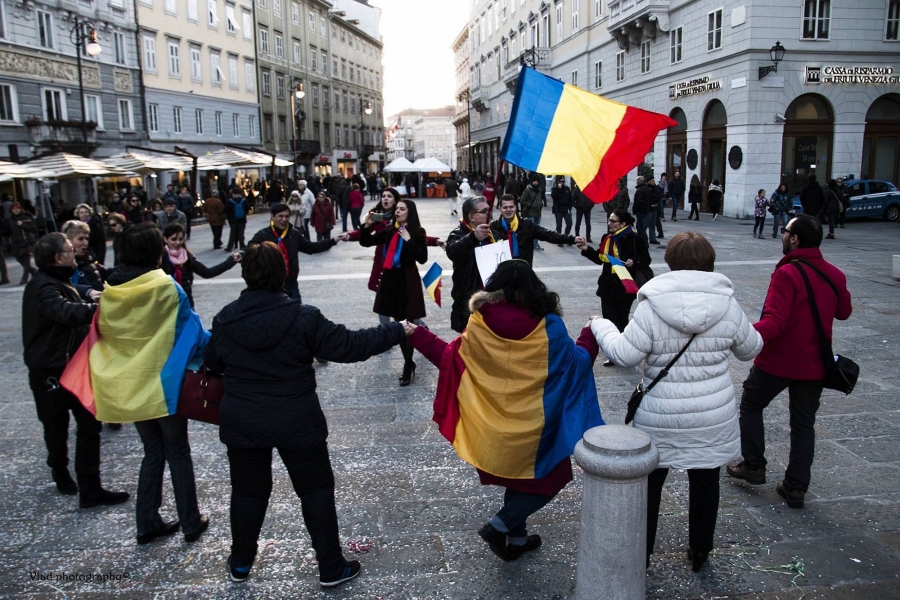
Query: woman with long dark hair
(621, 244)
(181, 264)
(399, 294)
(514, 396)
(695, 197)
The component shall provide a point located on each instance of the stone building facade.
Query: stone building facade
(460, 49)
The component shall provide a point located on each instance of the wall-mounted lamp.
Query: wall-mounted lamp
(776, 53)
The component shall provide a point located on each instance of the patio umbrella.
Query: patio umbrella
(228, 158)
(145, 164)
(71, 166)
(11, 170)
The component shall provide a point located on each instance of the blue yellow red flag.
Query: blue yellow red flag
(560, 129)
(432, 282)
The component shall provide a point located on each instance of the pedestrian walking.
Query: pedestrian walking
(452, 190)
(760, 204)
(714, 198)
(561, 196)
(791, 358)
(236, 209)
(465, 192)
(583, 208)
(695, 197)
(844, 195)
(780, 205)
(215, 216)
(644, 212)
(264, 342)
(357, 202)
(322, 219)
(676, 193)
(399, 294)
(186, 205)
(812, 197)
(685, 326)
(532, 205)
(832, 207)
(480, 405)
(23, 235)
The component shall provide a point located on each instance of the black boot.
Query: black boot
(64, 482)
(409, 373)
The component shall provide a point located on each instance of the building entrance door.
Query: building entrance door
(715, 139)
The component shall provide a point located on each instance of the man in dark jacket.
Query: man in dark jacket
(844, 194)
(289, 239)
(532, 204)
(676, 193)
(790, 358)
(621, 199)
(54, 323)
(561, 195)
(831, 207)
(170, 194)
(644, 214)
(186, 205)
(264, 342)
(236, 209)
(474, 230)
(812, 197)
(522, 233)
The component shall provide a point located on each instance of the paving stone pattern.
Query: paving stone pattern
(400, 485)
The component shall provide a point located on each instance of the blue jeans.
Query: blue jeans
(646, 221)
(166, 441)
(537, 221)
(781, 220)
(517, 507)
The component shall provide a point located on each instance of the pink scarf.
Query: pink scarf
(177, 258)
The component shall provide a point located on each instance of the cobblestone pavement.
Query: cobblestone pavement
(401, 486)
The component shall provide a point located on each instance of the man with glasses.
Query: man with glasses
(524, 233)
(790, 358)
(54, 323)
(473, 231)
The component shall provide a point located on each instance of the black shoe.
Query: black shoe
(842, 226)
(590, 241)
(194, 536)
(660, 236)
(321, 361)
(64, 482)
(560, 245)
(830, 236)
(740, 470)
(114, 426)
(351, 570)
(696, 218)
(656, 243)
(793, 498)
(539, 248)
(532, 542)
(675, 220)
(409, 373)
(496, 540)
(609, 363)
(103, 497)
(166, 529)
(698, 559)
(238, 574)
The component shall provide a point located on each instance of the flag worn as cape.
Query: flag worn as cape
(515, 408)
(131, 365)
(560, 129)
(432, 282)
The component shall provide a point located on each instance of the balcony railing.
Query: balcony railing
(70, 135)
(634, 21)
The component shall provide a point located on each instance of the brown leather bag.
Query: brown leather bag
(201, 396)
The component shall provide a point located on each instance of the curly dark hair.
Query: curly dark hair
(520, 285)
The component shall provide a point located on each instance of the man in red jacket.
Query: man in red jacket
(790, 358)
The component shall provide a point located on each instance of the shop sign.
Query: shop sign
(691, 87)
(323, 158)
(864, 75)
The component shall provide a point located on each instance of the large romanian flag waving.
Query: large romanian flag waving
(559, 129)
(131, 365)
(515, 408)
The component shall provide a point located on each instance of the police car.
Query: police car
(868, 198)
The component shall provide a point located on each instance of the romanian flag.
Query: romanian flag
(559, 129)
(131, 365)
(515, 408)
(621, 270)
(432, 281)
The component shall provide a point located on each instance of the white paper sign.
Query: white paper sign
(487, 258)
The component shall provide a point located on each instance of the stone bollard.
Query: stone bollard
(612, 547)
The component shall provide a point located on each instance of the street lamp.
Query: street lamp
(776, 53)
(529, 57)
(363, 109)
(298, 94)
(84, 31)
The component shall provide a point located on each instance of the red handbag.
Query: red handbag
(201, 396)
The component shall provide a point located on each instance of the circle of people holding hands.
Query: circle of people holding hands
(514, 393)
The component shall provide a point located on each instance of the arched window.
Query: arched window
(881, 144)
(715, 129)
(807, 141)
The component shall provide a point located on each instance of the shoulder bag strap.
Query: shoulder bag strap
(820, 274)
(671, 364)
(826, 352)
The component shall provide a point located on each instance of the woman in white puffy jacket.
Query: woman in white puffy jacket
(691, 414)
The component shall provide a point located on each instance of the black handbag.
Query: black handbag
(641, 275)
(638, 394)
(841, 373)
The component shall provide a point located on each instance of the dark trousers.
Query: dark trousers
(583, 213)
(166, 441)
(217, 236)
(187, 229)
(759, 223)
(54, 404)
(313, 481)
(517, 507)
(560, 217)
(646, 222)
(675, 203)
(236, 235)
(703, 507)
(354, 217)
(760, 389)
(695, 210)
(616, 309)
(660, 213)
(344, 213)
(832, 221)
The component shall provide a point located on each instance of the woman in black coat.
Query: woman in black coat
(181, 264)
(399, 294)
(23, 234)
(623, 243)
(264, 343)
